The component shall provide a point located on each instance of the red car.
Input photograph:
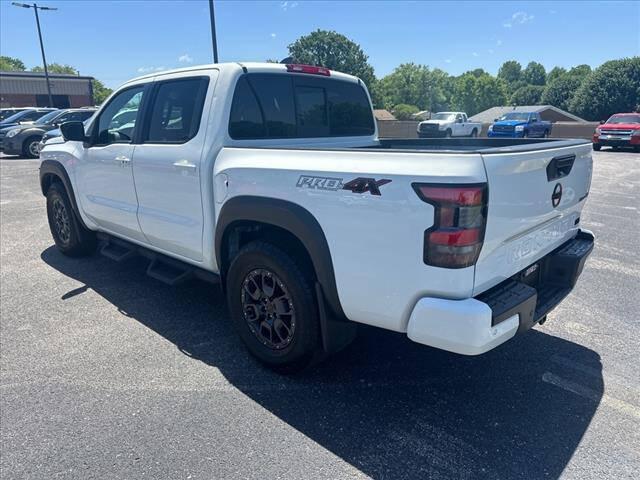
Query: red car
(621, 130)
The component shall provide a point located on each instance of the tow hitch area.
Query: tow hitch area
(539, 288)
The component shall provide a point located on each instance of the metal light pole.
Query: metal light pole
(44, 60)
(214, 41)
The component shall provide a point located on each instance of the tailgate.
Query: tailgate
(535, 200)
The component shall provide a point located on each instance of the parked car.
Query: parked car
(620, 130)
(520, 125)
(23, 117)
(270, 179)
(25, 139)
(7, 112)
(449, 124)
(28, 115)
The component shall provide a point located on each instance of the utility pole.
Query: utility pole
(44, 60)
(214, 41)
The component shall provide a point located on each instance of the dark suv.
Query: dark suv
(25, 139)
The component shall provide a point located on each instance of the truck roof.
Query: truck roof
(253, 67)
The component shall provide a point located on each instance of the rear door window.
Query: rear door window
(176, 111)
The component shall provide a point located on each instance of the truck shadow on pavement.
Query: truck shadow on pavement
(389, 407)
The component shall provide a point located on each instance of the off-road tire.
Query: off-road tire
(71, 238)
(259, 256)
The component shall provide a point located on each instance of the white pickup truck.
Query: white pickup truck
(447, 125)
(270, 180)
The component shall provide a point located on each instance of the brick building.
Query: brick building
(29, 89)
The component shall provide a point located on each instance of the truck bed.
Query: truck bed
(475, 145)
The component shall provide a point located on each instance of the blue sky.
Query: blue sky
(115, 41)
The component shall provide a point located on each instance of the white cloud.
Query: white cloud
(186, 58)
(288, 5)
(499, 42)
(552, 12)
(475, 54)
(151, 69)
(448, 60)
(490, 51)
(518, 18)
(273, 35)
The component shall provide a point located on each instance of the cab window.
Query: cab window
(117, 121)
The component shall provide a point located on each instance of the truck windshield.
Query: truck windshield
(297, 106)
(442, 116)
(624, 119)
(522, 117)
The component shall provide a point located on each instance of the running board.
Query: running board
(117, 251)
(161, 267)
(171, 274)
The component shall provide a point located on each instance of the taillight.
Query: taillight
(455, 239)
(311, 69)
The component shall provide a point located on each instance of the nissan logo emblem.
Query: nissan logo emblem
(556, 196)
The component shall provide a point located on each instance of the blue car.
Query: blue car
(520, 125)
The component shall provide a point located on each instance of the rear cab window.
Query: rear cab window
(272, 105)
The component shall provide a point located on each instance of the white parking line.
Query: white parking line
(617, 404)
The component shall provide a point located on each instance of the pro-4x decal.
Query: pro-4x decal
(364, 185)
(357, 185)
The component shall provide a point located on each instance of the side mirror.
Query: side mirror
(602, 122)
(496, 119)
(459, 120)
(73, 131)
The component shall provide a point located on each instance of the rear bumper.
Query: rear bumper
(477, 325)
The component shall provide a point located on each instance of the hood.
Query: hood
(436, 122)
(620, 126)
(25, 126)
(511, 123)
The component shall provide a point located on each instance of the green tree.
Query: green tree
(581, 71)
(56, 68)
(555, 72)
(404, 111)
(534, 74)
(100, 92)
(475, 94)
(510, 71)
(527, 95)
(612, 87)
(560, 91)
(335, 51)
(11, 64)
(413, 84)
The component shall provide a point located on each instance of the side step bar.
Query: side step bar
(161, 267)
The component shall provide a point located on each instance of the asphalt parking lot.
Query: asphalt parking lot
(106, 373)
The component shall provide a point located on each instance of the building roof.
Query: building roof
(382, 114)
(41, 75)
(33, 83)
(488, 116)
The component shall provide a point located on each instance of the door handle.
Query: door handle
(122, 160)
(185, 164)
